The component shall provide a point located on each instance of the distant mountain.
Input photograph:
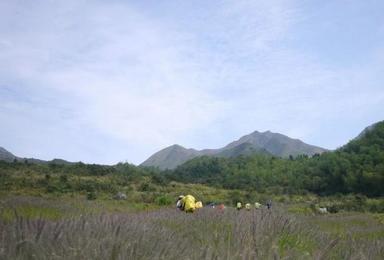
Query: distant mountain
(276, 144)
(263, 143)
(241, 149)
(171, 157)
(6, 156)
(9, 157)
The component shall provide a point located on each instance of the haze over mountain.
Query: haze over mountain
(257, 142)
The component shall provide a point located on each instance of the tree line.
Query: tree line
(357, 167)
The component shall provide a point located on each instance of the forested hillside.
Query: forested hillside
(357, 167)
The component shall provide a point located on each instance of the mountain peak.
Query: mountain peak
(256, 142)
(175, 146)
(170, 157)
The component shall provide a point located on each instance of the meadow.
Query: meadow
(77, 228)
(70, 211)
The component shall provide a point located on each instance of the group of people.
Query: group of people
(189, 204)
(247, 206)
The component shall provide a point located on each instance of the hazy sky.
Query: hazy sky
(109, 81)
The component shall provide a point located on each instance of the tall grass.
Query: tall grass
(170, 234)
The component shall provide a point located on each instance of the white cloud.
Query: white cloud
(129, 79)
(125, 73)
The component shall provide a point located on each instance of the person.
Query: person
(248, 206)
(269, 204)
(257, 205)
(238, 205)
(189, 203)
(179, 204)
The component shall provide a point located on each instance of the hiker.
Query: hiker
(269, 204)
(248, 206)
(238, 205)
(188, 203)
(257, 205)
(179, 203)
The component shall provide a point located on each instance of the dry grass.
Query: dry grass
(170, 234)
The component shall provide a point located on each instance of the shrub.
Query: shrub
(334, 208)
(147, 187)
(50, 189)
(63, 178)
(376, 206)
(91, 195)
(164, 200)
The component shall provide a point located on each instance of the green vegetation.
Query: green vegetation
(60, 206)
(356, 168)
(31, 212)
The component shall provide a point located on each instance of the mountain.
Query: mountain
(6, 156)
(370, 140)
(171, 157)
(257, 142)
(276, 144)
(9, 157)
(369, 129)
(241, 149)
(355, 168)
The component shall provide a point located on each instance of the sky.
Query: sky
(115, 81)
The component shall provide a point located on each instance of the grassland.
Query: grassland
(68, 212)
(77, 228)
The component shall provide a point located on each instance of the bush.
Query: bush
(376, 206)
(63, 178)
(164, 200)
(236, 196)
(333, 209)
(159, 179)
(91, 195)
(147, 187)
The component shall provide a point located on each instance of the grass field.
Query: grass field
(74, 228)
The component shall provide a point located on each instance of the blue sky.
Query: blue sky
(109, 81)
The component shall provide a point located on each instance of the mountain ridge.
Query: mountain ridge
(9, 157)
(6, 155)
(267, 142)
